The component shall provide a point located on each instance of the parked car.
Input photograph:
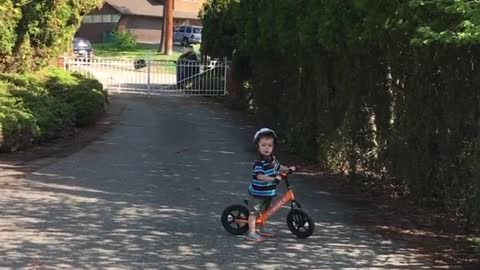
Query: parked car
(82, 48)
(188, 34)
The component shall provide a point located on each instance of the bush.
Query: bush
(88, 102)
(52, 116)
(86, 96)
(124, 40)
(17, 125)
(42, 106)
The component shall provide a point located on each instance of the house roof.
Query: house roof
(150, 8)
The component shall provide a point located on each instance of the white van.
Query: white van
(187, 34)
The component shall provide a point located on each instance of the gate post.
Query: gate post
(225, 62)
(148, 74)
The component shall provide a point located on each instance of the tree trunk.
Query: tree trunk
(161, 49)
(168, 15)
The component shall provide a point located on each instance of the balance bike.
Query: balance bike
(235, 217)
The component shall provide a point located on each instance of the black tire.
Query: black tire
(185, 42)
(230, 214)
(300, 223)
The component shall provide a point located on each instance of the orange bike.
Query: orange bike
(235, 217)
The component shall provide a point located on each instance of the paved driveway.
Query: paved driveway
(149, 193)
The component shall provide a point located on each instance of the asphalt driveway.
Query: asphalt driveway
(149, 193)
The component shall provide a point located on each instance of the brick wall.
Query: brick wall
(145, 29)
(95, 31)
(188, 5)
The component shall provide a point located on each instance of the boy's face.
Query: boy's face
(265, 146)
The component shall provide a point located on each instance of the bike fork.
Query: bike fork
(295, 203)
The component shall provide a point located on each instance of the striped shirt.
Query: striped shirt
(264, 189)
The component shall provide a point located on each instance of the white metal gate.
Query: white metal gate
(155, 77)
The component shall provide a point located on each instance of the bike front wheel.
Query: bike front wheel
(235, 219)
(300, 223)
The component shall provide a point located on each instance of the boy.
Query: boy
(266, 176)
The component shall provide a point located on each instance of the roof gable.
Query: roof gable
(152, 8)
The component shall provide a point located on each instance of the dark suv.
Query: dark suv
(82, 48)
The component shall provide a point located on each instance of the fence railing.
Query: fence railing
(205, 78)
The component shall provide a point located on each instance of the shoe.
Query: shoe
(266, 232)
(255, 237)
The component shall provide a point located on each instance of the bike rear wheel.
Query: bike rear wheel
(300, 223)
(235, 219)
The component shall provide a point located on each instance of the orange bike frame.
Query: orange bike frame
(288, 197)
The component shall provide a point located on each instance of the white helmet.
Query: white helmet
(264, 132)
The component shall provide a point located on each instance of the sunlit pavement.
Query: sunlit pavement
(149, 193)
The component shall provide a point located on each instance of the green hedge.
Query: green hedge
(43, 106)
(384, 89)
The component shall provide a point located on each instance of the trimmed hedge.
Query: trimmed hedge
(39, 107)
(383, 89)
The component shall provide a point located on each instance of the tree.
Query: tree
(35, 32)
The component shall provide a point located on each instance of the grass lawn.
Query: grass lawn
(144, 51)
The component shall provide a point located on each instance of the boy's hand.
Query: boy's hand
(292, 168)
(277, 179)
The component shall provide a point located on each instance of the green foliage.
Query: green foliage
(218, 34)
(124, 40)
(448, 22)
(475, 242)
(8, 21)
(385, 89)
(42, 106)
(17, 126)
(32, 33)
(85, 96)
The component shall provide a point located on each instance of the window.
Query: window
(97, 18)
(181, 29)
(107, 18)
(189, 30)
(88, 19)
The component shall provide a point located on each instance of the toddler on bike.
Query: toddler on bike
(266, 176)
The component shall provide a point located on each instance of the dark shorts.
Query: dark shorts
(258, 205)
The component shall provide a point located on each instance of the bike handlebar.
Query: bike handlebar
(285, 174)
(285, 177)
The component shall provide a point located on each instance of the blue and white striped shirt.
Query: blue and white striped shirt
(264, 189)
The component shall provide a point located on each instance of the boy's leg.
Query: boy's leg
(252, 234)
(262, 230)
(252, 219)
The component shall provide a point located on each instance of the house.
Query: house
(144, 18)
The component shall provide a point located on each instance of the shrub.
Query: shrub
(88, 103)
(86, 96)
(45, 105)
(124, 40)
(17, 124)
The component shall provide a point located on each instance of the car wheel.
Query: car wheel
(185, 41)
